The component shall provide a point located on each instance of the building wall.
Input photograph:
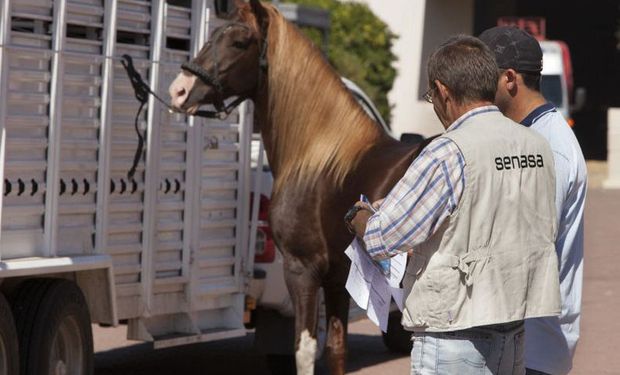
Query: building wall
(421, 27)
(613, 149)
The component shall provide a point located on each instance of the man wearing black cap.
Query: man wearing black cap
(549, 342)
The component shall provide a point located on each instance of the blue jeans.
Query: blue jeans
(496, 349)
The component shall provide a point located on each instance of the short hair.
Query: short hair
(467, 67)
(531, 80)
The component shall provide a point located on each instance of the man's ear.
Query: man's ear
(442, 90)
(509, 78)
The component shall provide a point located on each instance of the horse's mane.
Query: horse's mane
(318, 128)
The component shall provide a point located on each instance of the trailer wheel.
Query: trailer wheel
(53, 324)
(9, 354)
(397, 339)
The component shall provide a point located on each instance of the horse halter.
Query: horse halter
(142, 91)
(212, 79)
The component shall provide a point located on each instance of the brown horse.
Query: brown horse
(322, 148)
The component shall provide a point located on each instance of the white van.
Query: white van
(556, 82)
(557, 79)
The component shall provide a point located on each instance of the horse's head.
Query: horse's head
(229, 64)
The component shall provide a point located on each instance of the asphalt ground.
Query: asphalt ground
(596, 352)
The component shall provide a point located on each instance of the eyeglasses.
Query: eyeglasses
(428, 95)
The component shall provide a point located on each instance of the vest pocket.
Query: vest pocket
(417, 265)
(444, 285)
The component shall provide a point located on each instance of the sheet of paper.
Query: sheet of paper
(379, 302)
(399, 297)
(370, 288)
(357, 285)
(398, 264)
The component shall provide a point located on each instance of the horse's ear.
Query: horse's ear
(223, 8)
(228, 9)
(259, 11)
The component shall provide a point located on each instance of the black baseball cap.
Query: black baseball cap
(514, 49)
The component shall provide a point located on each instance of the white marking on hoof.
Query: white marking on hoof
(304, 357)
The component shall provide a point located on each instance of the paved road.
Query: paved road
(237, 356)
(600, 325)
(596, 353)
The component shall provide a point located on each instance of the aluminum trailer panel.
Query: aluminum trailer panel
(177, 233)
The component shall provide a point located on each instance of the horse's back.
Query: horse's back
(387, 164)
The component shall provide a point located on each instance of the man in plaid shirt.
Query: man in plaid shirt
(477, 208)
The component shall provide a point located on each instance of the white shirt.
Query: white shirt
(550, 342)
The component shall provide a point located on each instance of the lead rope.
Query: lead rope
(142, 91)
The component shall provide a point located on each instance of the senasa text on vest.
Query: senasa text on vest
(516, 162)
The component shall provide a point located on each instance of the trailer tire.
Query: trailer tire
(53, 325)
(9, 353)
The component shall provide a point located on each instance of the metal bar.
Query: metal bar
(41, 266)
(53, 154)
(5, 27)
(151, 175)
(243, 193)
(112, 293)
(105, 129)
(193, 159)
(258, 186)
(199, 29)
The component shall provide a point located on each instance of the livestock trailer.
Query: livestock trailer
(167, 251)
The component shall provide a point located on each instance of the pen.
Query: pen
(364, 199)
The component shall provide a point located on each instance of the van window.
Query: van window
(551, 88)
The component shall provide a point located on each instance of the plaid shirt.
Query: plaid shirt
(427, 194)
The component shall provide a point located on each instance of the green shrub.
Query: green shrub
(359, 47)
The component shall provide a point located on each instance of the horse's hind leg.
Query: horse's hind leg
(337, 308)
(304, 286)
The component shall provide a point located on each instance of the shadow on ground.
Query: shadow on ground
(233, 356)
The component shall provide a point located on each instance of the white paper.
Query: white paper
(357, 286)
(379, 302)
(370, 288)
(399, 297)
(398, 264)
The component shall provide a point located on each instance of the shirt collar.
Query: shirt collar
(471, 113)
(537, 113)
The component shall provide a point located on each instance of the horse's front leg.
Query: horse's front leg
(303, 284)
(337, 309)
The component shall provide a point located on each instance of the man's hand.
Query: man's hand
(377, 204)
(361, 219)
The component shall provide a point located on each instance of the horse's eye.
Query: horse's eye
(242, 44)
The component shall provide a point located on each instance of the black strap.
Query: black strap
(141, 91)
(202, 74)
(139, 150)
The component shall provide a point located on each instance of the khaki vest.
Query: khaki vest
(493, 260)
